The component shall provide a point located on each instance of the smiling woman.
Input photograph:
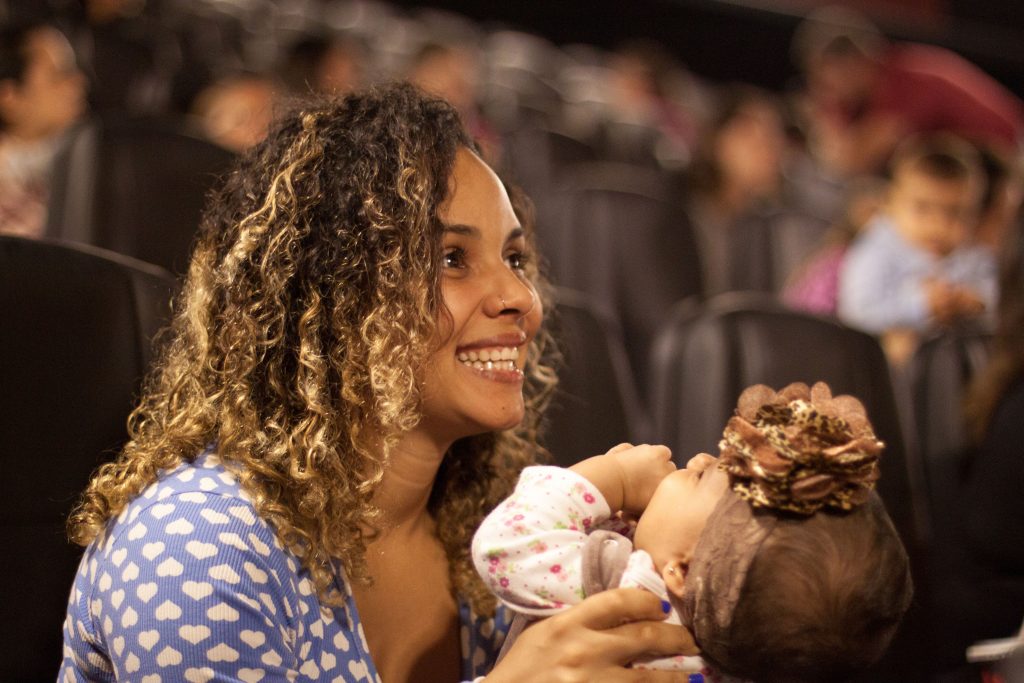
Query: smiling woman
(473, 381)
(354, 379)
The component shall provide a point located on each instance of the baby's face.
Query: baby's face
(679, 509)
(934, 214)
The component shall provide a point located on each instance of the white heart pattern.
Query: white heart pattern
(204, 675)
(197, 590)
(151, 550)
(194, 633)
(200, 550)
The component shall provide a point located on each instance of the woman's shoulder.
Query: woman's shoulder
(191, 565)
(193, 514)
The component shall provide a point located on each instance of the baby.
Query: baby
(916, 265)
(777, 556)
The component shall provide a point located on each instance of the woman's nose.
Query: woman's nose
(511, 295)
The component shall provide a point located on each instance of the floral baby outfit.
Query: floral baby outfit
(531, 550)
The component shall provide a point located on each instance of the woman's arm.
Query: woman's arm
(189, 585)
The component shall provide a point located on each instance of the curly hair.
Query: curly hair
(311, 302)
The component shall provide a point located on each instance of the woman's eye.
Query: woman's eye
(454, 258)
(517, 260)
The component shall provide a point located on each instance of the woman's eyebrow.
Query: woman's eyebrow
(459, 229)
(471, 231)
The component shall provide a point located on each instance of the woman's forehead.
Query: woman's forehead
(477, 196)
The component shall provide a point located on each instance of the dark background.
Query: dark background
(748, 40)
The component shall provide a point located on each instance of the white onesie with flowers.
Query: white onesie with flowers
(530, 549)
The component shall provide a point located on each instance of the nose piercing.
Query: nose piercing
(503, 304)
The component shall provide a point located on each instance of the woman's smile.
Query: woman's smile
(495, 358)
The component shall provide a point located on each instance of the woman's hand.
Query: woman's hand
(595, 641)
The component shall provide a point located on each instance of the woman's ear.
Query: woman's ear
(674, 576)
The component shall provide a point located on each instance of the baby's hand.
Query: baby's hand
(627, 475)
(641, 469)
(966, 303)
(941, 298)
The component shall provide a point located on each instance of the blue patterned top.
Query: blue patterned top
(189, 584)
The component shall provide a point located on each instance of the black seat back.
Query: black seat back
(76, 341)
(706, 355)
(596, 405)
(621, 240)
(135, 186)
(938, 373)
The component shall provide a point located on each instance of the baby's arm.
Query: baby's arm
(528, 550)
(627, 475)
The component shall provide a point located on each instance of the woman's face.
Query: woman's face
(473, 382)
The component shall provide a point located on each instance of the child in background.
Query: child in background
(777, 556)
(916, 266)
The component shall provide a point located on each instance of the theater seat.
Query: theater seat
(134, 186)
(597, 404)
(77, 328)
(705, 355)
(621, 238)
(939, 373)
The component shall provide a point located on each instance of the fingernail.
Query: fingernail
(695, 678)
(665, 606)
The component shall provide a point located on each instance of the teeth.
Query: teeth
(503, 359)
(491, 359)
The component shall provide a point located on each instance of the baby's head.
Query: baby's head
(936, 192)
(798, 574)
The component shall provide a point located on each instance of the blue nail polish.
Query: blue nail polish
(665, 606)
(695, 678)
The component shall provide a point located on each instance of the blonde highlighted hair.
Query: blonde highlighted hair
(310, 304)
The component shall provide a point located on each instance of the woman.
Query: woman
(355, 377)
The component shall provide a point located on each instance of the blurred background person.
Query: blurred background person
(323, 64)
(451, 72)
(737, 194)
(42, 93)
(648, 88)
(236, 111)
(867, 94)
(917, 267)
(814, 286)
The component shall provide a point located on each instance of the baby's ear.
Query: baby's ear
(674, 576)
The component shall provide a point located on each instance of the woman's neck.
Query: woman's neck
(408, 481)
